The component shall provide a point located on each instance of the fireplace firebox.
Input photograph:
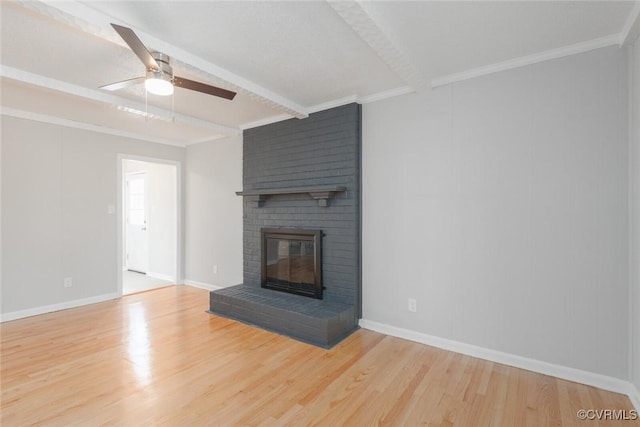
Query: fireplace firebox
(292, 261)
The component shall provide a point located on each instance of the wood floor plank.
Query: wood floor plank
(157, 358)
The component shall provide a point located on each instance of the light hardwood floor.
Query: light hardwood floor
(157, 358)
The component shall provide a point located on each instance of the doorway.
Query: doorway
(150, 225)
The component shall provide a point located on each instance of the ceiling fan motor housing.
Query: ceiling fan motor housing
(164, 72)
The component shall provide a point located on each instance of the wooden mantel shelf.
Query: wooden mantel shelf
(321, 193)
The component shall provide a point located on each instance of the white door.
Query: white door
(137, 245)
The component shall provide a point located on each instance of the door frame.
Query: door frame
(120, 210)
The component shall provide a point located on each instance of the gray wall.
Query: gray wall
(57, 184)
(323, 149)
(635, 219)
(213, 220)
(500, 203)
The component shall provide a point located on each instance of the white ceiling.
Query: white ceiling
(285, 59)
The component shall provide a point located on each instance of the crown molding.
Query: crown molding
(403, 90)
(44, 118)
(631, 29)
(333, 103)
(89, 20)
(548, 55)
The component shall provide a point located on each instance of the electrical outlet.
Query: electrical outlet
(215, 269)
(68, 282)
(413, 305)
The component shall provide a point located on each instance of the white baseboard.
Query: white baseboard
(35, 311)
(202, 285)
(160, 276)
(15, 315)
(576, 375)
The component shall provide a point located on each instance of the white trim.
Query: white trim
(333, 103)
(403, 90)
(202, 285)
(548, 55)
(162, 277)
(43, 118)
(631, 29)
(15, 315)
(571, 374)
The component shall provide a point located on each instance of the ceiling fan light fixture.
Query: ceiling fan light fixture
(159, 79)
(158, 83)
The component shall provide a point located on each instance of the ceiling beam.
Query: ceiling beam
(631, 29)
(45, 118)
(371, 30)
(96, 95)
(84, 18)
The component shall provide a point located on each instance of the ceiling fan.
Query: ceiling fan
(159, 79)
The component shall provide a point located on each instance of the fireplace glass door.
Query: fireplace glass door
(291, 261)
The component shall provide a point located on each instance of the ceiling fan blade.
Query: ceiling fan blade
(204, 88)
(137, 46)
(123, 84)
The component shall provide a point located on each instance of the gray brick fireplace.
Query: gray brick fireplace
(302, 175)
